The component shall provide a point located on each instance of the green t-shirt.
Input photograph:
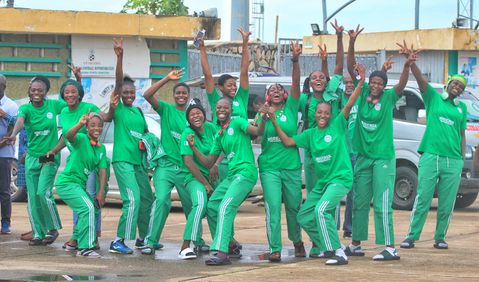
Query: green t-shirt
(353, 114)
(130, 125)
(203, 145)
(239, 103)
(274, 155)
(41, 125)
(328, 147)
(373, 136)
(173, 123)
(235, 143)
(444, 122)
(330, 95)
(69, 118)
(84, 159)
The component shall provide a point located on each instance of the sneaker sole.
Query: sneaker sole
(118, 252)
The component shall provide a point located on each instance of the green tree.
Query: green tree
(156, 7)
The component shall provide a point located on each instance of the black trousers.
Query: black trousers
(5, 196)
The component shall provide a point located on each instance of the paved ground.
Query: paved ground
(19, 262)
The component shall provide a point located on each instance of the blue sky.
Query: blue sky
(295, 16)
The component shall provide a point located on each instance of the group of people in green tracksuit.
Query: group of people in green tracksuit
(347, 138)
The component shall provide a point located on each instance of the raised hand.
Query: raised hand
(354, 33)
(176, 74)
(264, 109)
(191, 140)
(118, 46)
(412, 57)
(76, 71)
(323, 52)
(296, 49)
(244, 34)
(85, 118)
(361, 70)
(388, 64)
(201, 42)
(339, 28)
(114, 100)
(403, 49)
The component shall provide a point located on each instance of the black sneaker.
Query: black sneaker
(140, 244)
(441, 244)
(218, 259)
(407, 244)
(347, 234)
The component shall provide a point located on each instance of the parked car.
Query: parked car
(409, 126)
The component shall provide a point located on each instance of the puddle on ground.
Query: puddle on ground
(65, 277)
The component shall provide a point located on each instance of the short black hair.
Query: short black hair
(179, 85)
(223, 78)
(128, 80)
(42, 79)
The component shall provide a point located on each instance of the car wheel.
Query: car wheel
(405, 188)
(18, 194)
(464, 200)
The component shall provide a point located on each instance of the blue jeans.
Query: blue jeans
(91, 190)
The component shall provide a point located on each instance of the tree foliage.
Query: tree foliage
(156, 7)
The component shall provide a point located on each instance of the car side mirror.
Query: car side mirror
(421, 116)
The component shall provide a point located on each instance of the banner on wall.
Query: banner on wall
(467, 66)
(95, 56)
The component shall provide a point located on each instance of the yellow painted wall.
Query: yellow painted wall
(92, 23)
(427, 39)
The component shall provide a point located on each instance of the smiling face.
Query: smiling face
(128, 94)
(196, 118)
(223, 110)
(455, 88)
(37, 92)
(94, 128)
(229, 88)
(323, 114)
(376, 86)
(276, 94)
(181, 96)
(348, 85)
(71, 95)
(317, 81)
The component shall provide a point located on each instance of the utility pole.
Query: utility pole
(325, 14)
(416, 15)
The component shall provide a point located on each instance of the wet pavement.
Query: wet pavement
(20, 262)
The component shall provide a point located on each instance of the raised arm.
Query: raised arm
(388, 64)
(118, 48)
(296, 76)
(421, 80)
(349, 105)
(323, 55)
(287, 141)
(244, 81)
(338, 69)
(149, 94)
(209, 161)
(205, 66)
(190, 164)
(351, 60)
(72, 133)
(76, 72)
(405, 73)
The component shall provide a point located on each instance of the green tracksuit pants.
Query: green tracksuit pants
(446, 174)
(374, 179)
(310, 176)
(167, 175)
(316, 216)
(76, 197)
(41, 204)
(135, 192)
(199, 199)
(281, 186)
(223, 206)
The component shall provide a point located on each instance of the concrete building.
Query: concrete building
(43, 42)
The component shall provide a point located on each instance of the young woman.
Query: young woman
(199, 182)
(72, 92)
(327, 143)
(87, 156)
(280, 167)
(375, 168)
(234, 141)
(227, 83)
(169, 171)
(133, 181)
(39, 119)
(442, 148)
(320, 89)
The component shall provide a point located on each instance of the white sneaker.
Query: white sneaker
(88, 253)
(187, 254)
